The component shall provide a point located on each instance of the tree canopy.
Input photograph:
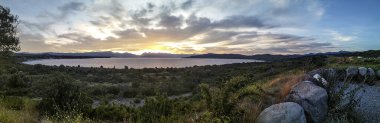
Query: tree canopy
(9, 42)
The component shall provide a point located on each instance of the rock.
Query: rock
(371, 75)
(319, 80)
(312, 98)
(326, 73)
(378, 74)
(363, 71)
(330, 73)
(287, 112)
(313, 72)
(315, 77)
(351, 71)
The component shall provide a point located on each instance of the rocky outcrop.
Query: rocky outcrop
(312, 95)
(315, 76)
(287, 112)
(312, 98)
(371, 75)
(319, 80)
(351, 71)
(363, 71)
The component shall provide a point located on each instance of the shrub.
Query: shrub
(63, 97)
(111, 112)
(18, 80)
(343, 99)
(114, 90)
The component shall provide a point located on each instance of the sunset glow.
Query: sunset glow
(196, 26)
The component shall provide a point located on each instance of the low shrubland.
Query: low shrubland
(227, 93)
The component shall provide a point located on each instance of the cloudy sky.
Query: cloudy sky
(197, 26)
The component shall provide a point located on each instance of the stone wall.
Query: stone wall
(311, 97)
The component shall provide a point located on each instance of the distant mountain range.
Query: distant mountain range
(269, 57)
(100, 55)
(266, 57)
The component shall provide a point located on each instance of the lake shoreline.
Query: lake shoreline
(137, 63)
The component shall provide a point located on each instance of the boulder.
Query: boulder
(330, 73)
(312, 98)
(319, 80)
(326, 73)
(371, 75)
(351, 71)
(287, 112)
(363, 71)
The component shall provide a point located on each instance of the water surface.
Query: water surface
(137, 62)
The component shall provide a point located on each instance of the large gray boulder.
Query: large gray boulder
(371, 75)
(351, 71)
(363, 71)
(312, 98)
(287, 112)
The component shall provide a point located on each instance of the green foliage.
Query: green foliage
(156, 108)
(219, 93)
(111, 112)
(63, 96)
(18, 80)
(223, 102)
(15, 103)
(17, 110)
(8, 31)
(343, 99)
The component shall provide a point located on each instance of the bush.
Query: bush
(111, 112)
(343, 99)
(114, 90)
(18, 80)
(63, 97)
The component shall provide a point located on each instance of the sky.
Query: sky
(197, 26)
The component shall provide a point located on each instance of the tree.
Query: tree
(9, 42)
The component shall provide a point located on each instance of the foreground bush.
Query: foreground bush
(63, 96)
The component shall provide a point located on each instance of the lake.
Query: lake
(138, 62)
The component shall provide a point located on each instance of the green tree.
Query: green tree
(9, 42)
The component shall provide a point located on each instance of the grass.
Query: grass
(344, 62)
(18, 110)
(23, 110)
(268, 92)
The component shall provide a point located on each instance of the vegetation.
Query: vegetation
(8, 25)
(219, 93)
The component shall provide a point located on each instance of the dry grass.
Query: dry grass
(268, 92)
(252, 110)
(280, 86)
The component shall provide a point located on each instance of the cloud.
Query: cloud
(72, 6)
(340, 37)
(170, 21)
(187, 4)
(179, 26)
(241, 21)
